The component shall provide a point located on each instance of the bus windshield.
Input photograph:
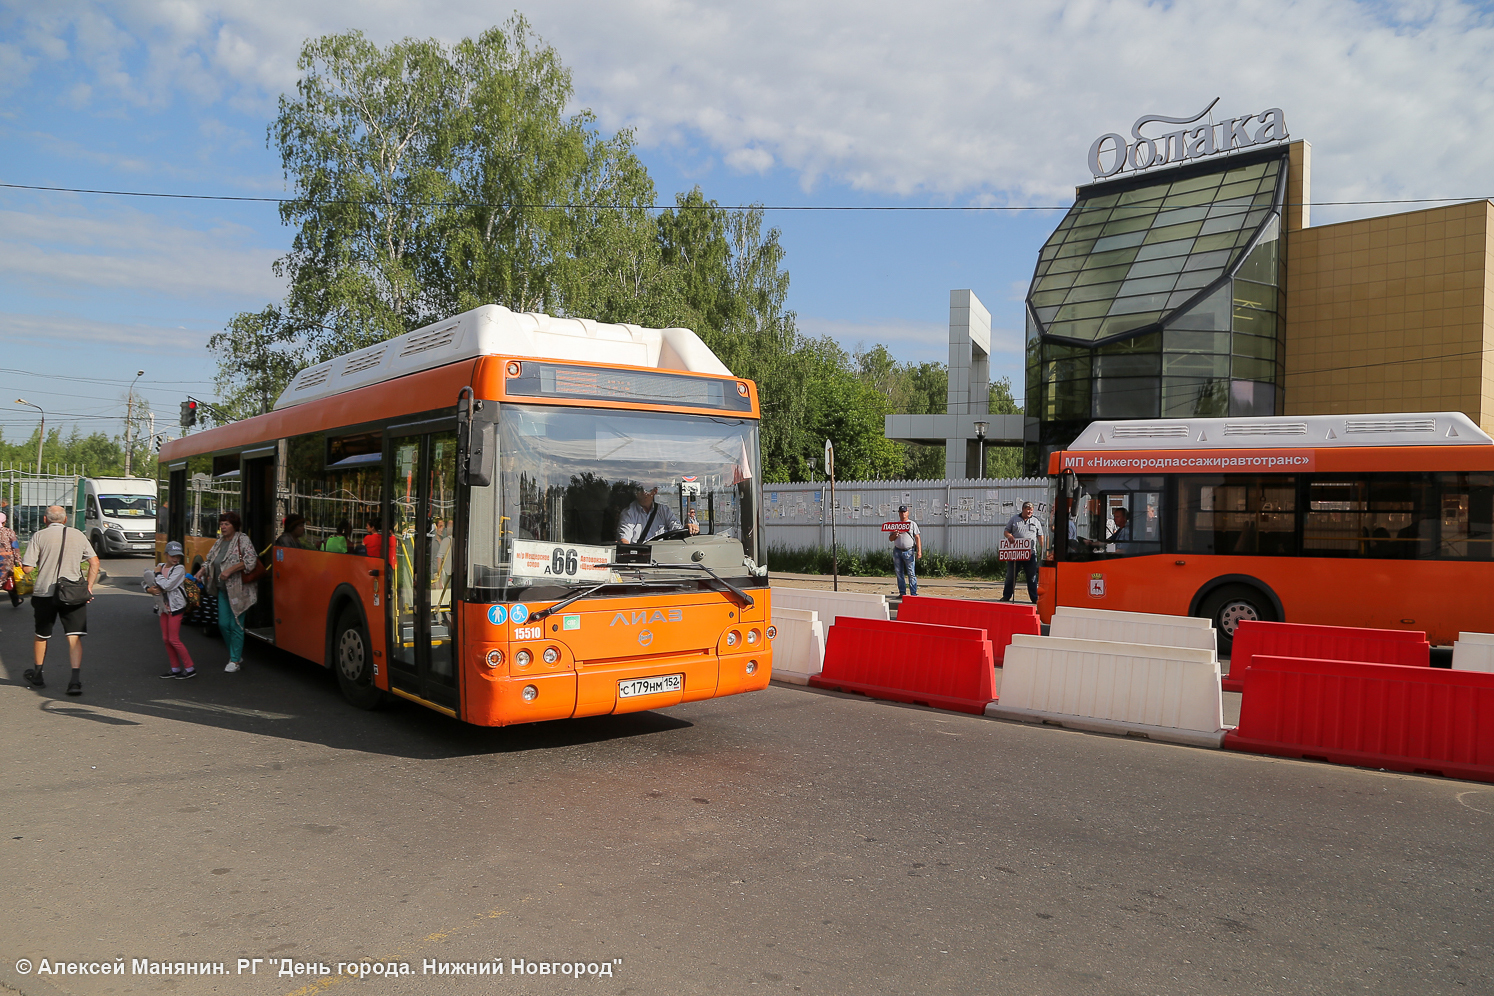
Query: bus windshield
(572, 478)
(128, 506)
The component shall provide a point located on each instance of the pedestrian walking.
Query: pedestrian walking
(1023, 526)
(10, 555)
(60, 592)
(907, 551)
(222, 576)
(167, 582)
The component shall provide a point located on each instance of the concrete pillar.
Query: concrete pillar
(969, 374)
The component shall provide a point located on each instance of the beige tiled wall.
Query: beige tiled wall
(1393, 314)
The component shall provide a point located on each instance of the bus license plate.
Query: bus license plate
(650, 686)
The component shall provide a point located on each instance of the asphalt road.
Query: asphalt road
(783, 841)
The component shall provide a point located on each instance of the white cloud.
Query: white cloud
(52, 330)
(953, 100)
(130, 250)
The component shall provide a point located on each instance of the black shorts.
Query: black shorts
(48, 610)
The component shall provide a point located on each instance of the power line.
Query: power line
(674, 207)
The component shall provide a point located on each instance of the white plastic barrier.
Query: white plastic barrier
(1146, 628)
(799, 647)
(1167, 693)
(1474, 652)
(832, 604)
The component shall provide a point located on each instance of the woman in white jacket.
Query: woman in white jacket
(167, 582)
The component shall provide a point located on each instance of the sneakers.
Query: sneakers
(75, 688)
(188, 673)
(232, 667)
(34, 676)
(173, 673)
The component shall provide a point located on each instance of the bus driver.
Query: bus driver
(645, 519)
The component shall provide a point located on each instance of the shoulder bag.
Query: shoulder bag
(67, 591)
(259, 569)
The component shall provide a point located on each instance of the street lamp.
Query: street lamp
(130, 417)
(41, 433)
(980, 435)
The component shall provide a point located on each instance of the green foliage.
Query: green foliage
(878, 563)
(97, 454)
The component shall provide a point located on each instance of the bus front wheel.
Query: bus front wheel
(352, 659)
(1231, 605)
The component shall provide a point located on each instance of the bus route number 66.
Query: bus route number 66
(563, 561)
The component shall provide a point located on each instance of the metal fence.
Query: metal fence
(955, 518)
(25, 495)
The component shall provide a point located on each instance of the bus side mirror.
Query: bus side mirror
(480, 452)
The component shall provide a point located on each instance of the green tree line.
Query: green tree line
(428, 179)
(98, 454)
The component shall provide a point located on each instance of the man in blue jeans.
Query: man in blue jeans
(1023, 526)
(907, 550)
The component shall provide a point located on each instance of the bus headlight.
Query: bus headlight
(733, 638)
(772, 632)
(530, 693)
(495, 658)
(751, 667)
(523, 658)
(551, 655)
(752, 637)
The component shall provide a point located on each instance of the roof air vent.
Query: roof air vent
(434, 339)
(359, 362)
(1391, 425)
(1265, 428)
(1150, 432)
(313, 378)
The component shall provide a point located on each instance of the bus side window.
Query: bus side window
(1466, 520)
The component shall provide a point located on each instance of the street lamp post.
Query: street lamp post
(41, 434)
(130, 418)
(980, 435)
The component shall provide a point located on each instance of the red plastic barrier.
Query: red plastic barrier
(1421, 720)
(1255, 638)
(944, 666)
(1000, 620)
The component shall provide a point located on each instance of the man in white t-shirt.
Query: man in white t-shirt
(907, 551)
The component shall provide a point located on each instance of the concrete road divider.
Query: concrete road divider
(1334, 643)
(1474, 652)
(948, 667)
(1418, 719)
(1146, 628)
(1000, 620)
(1165, 693)
(831, 605)
(799, 647)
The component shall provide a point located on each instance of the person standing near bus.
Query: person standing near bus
(10, 552)
(167, 582)
(223, 573)
(1023, 526)
(57, 553)
(907, 551)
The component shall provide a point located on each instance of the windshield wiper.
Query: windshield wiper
(542, 613)
(746, 599)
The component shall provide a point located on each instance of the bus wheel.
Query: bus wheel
(352, 659)
(1230, 606)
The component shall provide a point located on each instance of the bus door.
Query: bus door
(422, 564)
(259, 523)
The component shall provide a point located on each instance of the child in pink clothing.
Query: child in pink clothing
(166, 582)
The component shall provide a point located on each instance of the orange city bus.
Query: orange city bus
(1385, 521)
(481, 467)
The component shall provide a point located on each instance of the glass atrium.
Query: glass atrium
(1159, 295)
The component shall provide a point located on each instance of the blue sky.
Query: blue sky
(777, 102)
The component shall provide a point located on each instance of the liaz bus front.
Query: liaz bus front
(614, 544)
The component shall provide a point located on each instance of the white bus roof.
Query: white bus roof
(493, 330)
(1398, 429)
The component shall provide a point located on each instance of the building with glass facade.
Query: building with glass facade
(1200, 290)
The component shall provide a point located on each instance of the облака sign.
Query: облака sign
(1193, 141)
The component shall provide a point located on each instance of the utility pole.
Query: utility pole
(130, 418)
(834, 552)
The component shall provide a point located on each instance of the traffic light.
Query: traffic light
(189, 414)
